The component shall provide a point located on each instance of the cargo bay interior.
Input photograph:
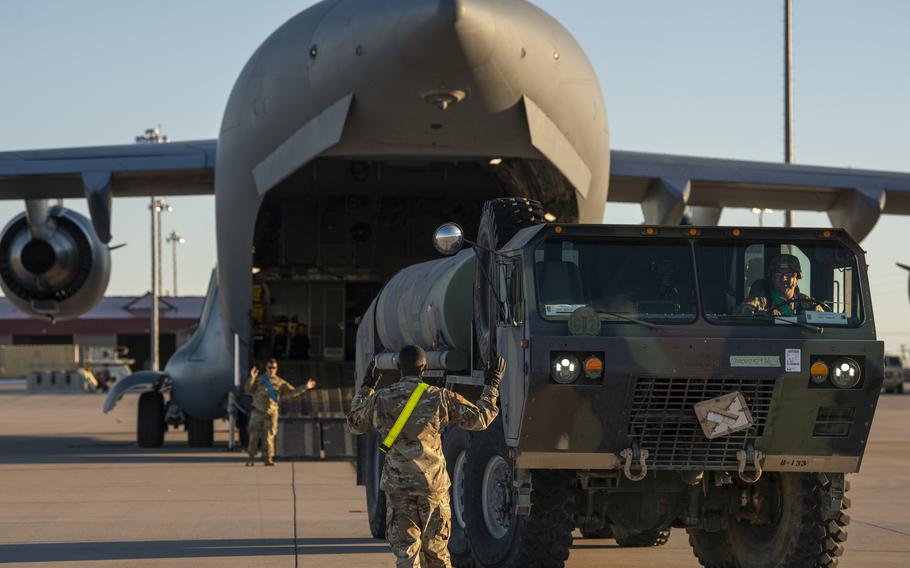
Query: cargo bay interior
(331, 234)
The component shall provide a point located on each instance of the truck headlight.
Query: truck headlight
(845, 373)
(565, 368)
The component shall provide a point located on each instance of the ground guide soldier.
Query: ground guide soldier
(410, 417)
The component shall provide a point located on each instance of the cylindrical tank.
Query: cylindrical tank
(429, 305)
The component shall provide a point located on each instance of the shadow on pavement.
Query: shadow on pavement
(83, 449)
(592, 545)
(151, 549)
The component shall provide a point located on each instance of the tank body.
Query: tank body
(430, 305)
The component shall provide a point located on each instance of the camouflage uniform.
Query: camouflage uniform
(414, 478)
(264, 417)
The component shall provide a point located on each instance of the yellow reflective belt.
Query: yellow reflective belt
(386, 445)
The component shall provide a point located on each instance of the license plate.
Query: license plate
(723, 415)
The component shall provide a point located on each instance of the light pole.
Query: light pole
(156, 206)
(788, 94)
(175, 239)
(163, 207)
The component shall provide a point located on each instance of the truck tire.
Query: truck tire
(711, 549)
(374, 460)
(455, 442)
(630, 539)
(500, 220)
(802, 534)
(499, 537)
(200, 433)
(150, 426)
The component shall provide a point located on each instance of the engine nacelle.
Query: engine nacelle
(56, 268)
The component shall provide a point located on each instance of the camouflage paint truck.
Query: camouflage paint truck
(643, 390)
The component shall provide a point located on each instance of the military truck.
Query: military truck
(643, 390)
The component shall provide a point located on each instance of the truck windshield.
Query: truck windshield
(649, 281)
(761, 282)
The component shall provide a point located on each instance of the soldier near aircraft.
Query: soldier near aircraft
(266, 389)
(779, 295)
(411, 415)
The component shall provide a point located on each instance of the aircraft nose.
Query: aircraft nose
(447, 35)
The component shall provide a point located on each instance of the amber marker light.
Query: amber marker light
(649, 231)
(557, 230)
(827, 234)
(818, 372)
(736, 232)
(594, 367)
(693, 232)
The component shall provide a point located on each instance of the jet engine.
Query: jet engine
(52, 264)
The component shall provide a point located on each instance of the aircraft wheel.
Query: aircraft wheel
(376, 507)
(200, 433)
(150, 426)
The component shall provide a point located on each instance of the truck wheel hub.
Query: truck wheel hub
(458, 488)
(497, 497)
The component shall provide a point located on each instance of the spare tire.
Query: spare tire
(500, 220)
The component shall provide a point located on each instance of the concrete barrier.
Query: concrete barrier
(79, 380)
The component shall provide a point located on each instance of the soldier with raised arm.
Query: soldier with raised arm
(267, 389)
(410, 416)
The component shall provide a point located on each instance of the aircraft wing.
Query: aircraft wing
(134, 170)
(665, 184)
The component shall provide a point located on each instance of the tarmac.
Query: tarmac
(76, 491)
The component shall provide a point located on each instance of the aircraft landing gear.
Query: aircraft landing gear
(200, 433)
(150, 424)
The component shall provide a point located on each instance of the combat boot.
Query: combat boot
(251, 461)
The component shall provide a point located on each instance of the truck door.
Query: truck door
(510, 331)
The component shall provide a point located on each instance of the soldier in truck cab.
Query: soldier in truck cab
(779, 295)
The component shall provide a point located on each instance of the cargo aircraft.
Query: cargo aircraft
(353, 131)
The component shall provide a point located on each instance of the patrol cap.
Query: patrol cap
(786, 262)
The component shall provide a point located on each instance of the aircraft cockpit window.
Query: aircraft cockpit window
(810, 282)
(622, 281)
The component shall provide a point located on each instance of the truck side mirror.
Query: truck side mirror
(448, 239)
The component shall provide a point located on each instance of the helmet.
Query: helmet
(786, 262)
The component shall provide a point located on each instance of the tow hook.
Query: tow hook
(753, 456)
(635, 455)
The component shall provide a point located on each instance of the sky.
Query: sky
(703, 77)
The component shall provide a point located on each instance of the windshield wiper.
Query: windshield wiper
(622, 317)
(768, 318)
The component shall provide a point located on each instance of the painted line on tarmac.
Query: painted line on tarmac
(294, 494)
(889, 529)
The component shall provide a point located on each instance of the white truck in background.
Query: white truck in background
(895, 374)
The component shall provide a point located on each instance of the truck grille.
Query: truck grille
(663, 420)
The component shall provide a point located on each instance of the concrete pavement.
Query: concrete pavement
(74, 488)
